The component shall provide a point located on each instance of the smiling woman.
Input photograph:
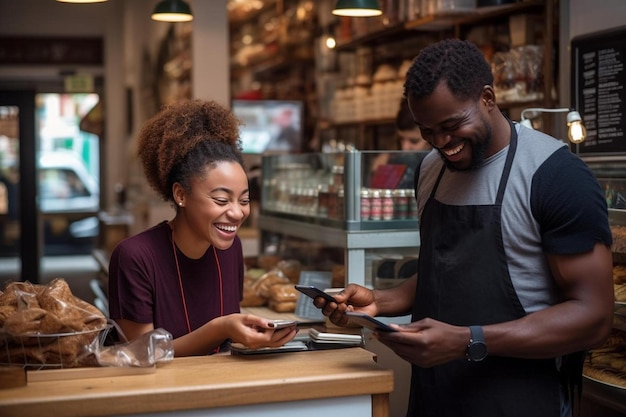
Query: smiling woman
(185, 275)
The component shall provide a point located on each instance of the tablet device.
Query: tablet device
(368, 322)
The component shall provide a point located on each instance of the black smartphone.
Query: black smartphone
(314, 292)
(281, 324)
(369, 322)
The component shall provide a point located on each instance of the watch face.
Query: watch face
(477, 351)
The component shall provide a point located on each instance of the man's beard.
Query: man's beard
(479, 150)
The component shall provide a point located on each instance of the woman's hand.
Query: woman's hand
(256, 332)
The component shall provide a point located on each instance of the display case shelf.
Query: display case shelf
(611, 174)
(336, 237)
(608, 395)
(291, 205)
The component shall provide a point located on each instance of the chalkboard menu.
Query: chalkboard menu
(598, 81)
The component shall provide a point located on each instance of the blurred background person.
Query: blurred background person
(409, 139)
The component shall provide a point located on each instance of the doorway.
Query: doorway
(20, 247)
(68, 172)
(50, 182)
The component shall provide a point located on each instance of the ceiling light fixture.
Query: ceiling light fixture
(172, 11)
(576, 130)
(81, 1)
(357, 8)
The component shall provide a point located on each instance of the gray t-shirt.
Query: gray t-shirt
(552, 204)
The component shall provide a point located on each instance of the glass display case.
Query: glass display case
(360, 202)
(611, 174)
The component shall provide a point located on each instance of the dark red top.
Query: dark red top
(144, 286)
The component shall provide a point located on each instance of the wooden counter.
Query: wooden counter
(336, 382)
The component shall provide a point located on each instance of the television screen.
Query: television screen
(269, 125)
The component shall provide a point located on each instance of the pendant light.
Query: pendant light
(357, 8)
(172, 11)
(576, 131)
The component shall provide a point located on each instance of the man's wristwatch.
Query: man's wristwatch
(477, 348)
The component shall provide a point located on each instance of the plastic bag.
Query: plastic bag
(46, 325)
(146, 350)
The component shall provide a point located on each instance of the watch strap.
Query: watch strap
(476, 334)
(476, 349)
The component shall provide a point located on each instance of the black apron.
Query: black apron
(463, 279)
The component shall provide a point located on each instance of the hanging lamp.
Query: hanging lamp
(357, 8)
(576, 131)
(172, 11)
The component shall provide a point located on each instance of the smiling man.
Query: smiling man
(514, 279)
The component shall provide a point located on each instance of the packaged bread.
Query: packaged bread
(283, 292)
(46, 324)
(263, 285)
(283, 298)
(250, 296)
(291, 268)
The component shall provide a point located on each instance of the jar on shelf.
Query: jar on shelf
(376, 204)
(366, 204)
(387, 205)
(401, 204)
(336, 204)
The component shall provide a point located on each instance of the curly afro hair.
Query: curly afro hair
(184, 139)
(459, 63)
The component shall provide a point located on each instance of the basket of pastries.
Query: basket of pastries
(47, 326)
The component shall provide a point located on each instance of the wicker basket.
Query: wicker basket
(59, 350)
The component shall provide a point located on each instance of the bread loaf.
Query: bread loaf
(283, 292)
(291, 269)
(46, 324)
(263, 285)
(250, 296)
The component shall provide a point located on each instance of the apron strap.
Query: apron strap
(508, 164)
